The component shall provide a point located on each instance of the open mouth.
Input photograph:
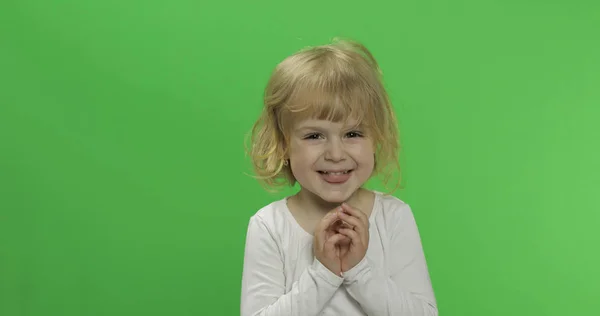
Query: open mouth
(335, 177)
(335, 173)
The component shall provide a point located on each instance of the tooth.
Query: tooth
(335, 173)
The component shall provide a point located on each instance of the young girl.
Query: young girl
(334, 248)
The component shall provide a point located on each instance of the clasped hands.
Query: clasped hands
(342, 238)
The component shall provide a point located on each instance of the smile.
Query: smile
(335, 177)
(334, 172)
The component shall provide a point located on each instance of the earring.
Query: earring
(286, 162)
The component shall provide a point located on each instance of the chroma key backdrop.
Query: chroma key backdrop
(123, 186)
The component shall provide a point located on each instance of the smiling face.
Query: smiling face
(312, 91)
(330, 160)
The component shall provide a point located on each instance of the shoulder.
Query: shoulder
(391, 205)
(270, 212)
(392, 210)
(271, 218)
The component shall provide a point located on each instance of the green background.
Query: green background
(122, 186)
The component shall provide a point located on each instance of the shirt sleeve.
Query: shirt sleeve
(405, 289)
(263, 280)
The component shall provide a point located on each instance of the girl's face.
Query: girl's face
(329, 159)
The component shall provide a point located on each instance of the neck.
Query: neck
(309, 201)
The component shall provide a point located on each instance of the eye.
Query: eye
(354, 134)
(312, 136)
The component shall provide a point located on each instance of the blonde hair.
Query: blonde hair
(338, 81)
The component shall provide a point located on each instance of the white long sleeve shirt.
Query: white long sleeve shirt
(281, 276)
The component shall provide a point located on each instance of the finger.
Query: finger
(345, 224)
(352, 234)
(344, 241)
(359, 226)
(332, 242)
(356, 213)
(327, 220)
(349, 219)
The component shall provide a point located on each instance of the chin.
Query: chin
(334, 196)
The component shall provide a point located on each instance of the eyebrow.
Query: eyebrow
(321, 129)
(310, 127)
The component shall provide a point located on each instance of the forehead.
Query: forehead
(325, 124)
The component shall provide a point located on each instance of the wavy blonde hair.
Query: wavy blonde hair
(340, 81)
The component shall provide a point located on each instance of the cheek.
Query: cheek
(302, 152)
(365, 158)
(301, 160)
(301, 169)
(364, 153)
(369, 161)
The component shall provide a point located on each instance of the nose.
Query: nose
(334, 150)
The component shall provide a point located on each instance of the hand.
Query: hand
(343, 244)
(359, 236)
(328, 242)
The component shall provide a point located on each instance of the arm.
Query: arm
(263, 280)
(406, 290)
